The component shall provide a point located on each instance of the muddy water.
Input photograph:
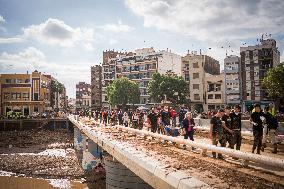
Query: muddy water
(12, 182)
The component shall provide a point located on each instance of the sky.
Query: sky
(65, 38)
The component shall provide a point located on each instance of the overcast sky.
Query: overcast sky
(65, 37)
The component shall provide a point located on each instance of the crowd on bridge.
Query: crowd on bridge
(225, 124)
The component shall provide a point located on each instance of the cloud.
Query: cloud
(56, 32)
(11, 40)
(31, 59)
(117, 28)
(212, 20)
(2, 20)
(29, 54)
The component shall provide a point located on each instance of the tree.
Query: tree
(274, 82)
(171, 86)
(123, 91)
(57, 86)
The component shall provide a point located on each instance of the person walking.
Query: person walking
(153, 120)
(125, 119)
(173, 116)
(119, 116)
(135, 120)
(257, 118)
(216, 131)
(269, 129)
(141, 119)
(187, 129)
(228, 134)
(181, 115)
(236, 125)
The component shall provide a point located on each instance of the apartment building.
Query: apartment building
(83, 96)
(96, 86)
(195, 66)
(232, 72)
(255, 61)
(215, 91)
(25, 93)
(139, 67)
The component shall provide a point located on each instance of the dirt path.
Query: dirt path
(217, 173)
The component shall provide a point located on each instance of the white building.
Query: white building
(139, 67)
(232, 80)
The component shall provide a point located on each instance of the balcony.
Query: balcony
(232, 91)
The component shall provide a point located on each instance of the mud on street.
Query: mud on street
(216, 173)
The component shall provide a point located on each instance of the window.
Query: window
(217, 96)
(195, 65)
(7, 96)
(218, 87)
(196, 86)
(195, 75)
(36, 96)
(210, 87)
(26, 95)
(35, 109)
(210, 96)
(27, 80)
(186, 77)
(196, 97)
(8, 80)
(14, 96)
(18, 81)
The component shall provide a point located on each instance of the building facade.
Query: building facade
(195, 66)
(232, 72)
(83, 96)
(138, 67)
(215, 92)
(96, 86)
(25, 93)
(255, 61)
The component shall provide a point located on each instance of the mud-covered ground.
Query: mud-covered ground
(44, 154)
(217, 173)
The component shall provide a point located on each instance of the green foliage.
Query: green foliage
(274, 82)
(123, 91)
(171, 85)
(57, 86)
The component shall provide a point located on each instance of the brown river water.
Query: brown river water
(12, 182)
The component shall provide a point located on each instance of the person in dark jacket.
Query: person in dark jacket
(269, 129)
(216, 131)
(228, 132)
(153, 120)
(188, 124)
(236, 126)
(257, 118)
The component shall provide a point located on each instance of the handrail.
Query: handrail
(276, 162)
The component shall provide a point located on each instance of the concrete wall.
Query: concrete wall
(119, 176)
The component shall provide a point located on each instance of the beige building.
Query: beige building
(96, 86)
(195, 67)
(215, 92)
(83, 96)
(25, 93)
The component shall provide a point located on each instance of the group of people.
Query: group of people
(225, 124)
(225, 128)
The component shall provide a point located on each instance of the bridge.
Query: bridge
(141, 159)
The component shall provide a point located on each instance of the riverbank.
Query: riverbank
(44, 154)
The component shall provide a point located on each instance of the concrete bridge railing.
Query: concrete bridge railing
(147, 168)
